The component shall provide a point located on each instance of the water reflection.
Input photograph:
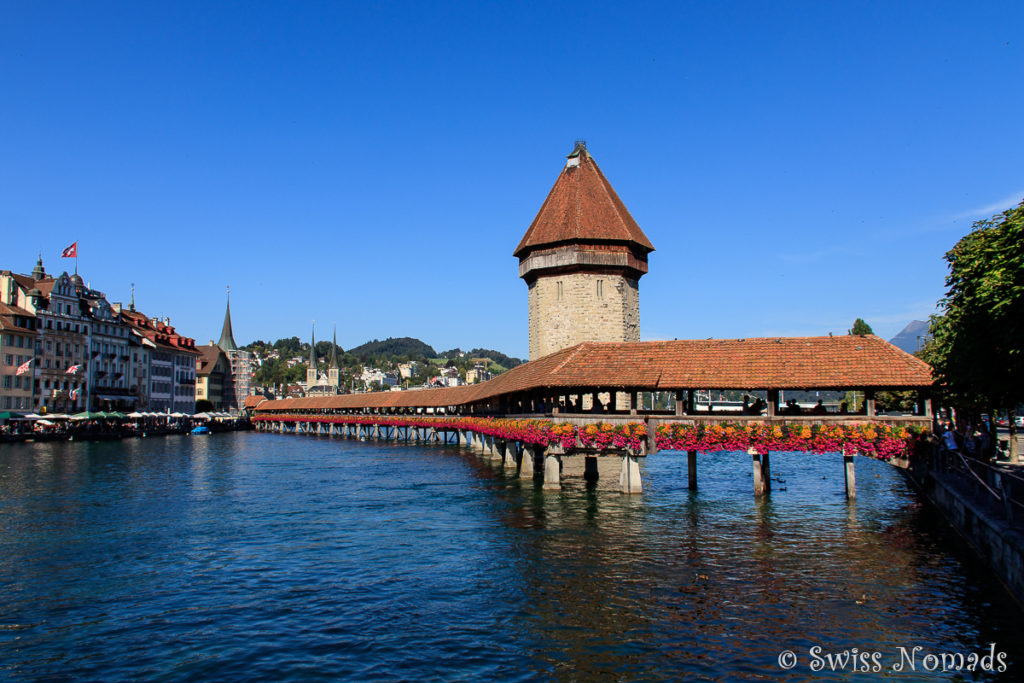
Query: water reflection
(267, 556)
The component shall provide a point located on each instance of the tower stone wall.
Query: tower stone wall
(569, 308)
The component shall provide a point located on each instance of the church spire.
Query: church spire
(227, 339)
(312, 352)
(334, 351)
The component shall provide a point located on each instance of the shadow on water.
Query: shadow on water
(271, 557)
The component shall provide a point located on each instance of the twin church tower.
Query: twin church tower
(582, 259)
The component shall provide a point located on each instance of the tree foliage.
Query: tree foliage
(977, 346)
(860, 327)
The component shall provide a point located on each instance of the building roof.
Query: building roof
(582, 207)
(8, 309)
(843, 362)
(253, 401)
(227, 339)
(209, 354)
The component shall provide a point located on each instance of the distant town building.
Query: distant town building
(17, 351)
(323, 383)
(169, 384)
(213, 372)
(582, 258)
(238, 383)
(62, 359)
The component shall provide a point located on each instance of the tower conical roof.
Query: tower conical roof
(334, 350)
(582, 207)
(227, 339)
(312, 350)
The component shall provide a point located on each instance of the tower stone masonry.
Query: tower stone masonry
(582, 258)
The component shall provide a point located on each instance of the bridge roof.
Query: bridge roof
(582, 206)
(843, 362)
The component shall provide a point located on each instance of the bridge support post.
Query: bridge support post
(527, 460)
(629, 478)
(590, 473)
(511, 453)
(552, 472)
(691, 469)
(851, 475)
(758, 475)
(766, 471)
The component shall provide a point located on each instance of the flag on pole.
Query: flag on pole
(70, 252)
(73, 369)
(23, 368)
(74, 394)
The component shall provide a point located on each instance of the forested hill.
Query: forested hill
(391, 347)
(508, 362)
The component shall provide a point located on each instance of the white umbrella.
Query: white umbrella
(177, 415)
(135, 415)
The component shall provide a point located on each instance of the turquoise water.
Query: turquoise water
(253, 556)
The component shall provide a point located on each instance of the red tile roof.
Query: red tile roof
(253, 401)
(843, 362)
(582, 206)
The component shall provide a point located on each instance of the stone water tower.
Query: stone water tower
(582, 259)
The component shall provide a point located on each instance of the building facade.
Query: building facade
(582, 258)
(172, 363)
(17, 354)
(64, 326)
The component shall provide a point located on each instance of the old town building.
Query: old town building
(17, 353)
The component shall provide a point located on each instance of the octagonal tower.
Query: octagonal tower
(582, 259)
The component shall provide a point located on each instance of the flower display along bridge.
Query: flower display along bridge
(586, 401)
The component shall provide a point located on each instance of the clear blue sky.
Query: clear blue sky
(796, 165)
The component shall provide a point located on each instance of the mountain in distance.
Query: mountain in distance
(394, 346)
(912, 337)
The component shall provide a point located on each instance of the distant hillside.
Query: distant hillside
(400, 346)
(508, 362)
(911, 337)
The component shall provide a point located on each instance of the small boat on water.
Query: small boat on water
(201, 429)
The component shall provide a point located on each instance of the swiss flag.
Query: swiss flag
(70, 252)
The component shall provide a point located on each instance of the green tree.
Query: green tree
(860, 327)
(977, 345)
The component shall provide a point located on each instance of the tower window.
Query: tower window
(559, 290)
(600, 288)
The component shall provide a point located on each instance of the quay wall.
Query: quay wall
(991, 536)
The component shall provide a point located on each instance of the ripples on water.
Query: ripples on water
(268, 557)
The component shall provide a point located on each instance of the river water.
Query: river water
(247, 556)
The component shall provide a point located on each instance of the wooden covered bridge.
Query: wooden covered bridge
(585, 400)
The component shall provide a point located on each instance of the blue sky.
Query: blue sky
(796, 165)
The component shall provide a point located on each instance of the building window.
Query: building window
(600, 288)
(559, 290)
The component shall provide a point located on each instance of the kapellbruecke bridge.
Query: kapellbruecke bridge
(582, 401)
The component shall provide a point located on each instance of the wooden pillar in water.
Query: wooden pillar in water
(766, 470)
(691, 469)
(850, 475)
(590, 472)
(758, 477)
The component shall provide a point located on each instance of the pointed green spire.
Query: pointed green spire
(227, 339)
(334, 350)
(312, 351)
